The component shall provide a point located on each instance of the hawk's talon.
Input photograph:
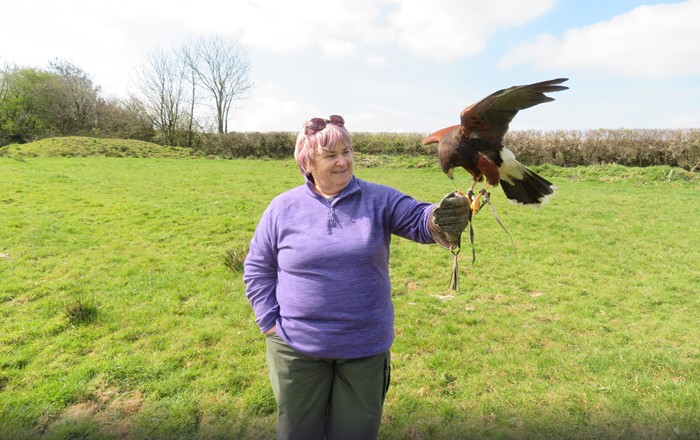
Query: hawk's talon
(475, 205)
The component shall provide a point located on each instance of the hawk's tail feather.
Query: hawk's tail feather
(530, 189)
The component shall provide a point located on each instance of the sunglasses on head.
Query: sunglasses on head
(317, 124)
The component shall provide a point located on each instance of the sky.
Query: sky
(393, 65)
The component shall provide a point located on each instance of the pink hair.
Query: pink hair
(309, 145)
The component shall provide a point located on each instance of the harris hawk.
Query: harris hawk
(476, 144)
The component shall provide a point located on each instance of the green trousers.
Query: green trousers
(321, 398)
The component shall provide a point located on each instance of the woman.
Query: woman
(317, 277)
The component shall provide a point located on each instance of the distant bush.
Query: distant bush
(278, 145)
(270, 145)
(392, 143)
(640, 147)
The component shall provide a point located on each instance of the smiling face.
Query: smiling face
(332, 169)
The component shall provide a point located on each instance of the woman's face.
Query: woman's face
(332, 169)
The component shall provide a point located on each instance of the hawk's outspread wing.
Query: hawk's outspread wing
(476, 144)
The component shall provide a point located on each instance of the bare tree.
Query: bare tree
(222, 71)
(4, 84)
(81, 94)
(162, 88)
(186, 55)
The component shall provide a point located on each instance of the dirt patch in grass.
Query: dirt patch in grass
(115, 414)
(79, 411)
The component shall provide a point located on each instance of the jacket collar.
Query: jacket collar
(352, 188)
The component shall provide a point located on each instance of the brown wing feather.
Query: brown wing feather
(438, 135)
(490, 117)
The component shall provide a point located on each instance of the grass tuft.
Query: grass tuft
(81, 309)
(234, 258)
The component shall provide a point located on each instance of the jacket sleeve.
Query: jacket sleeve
(410, 218)
(260, 273)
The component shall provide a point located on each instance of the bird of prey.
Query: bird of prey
(476, 144)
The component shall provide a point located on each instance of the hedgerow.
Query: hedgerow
(567, 148)
(638, 147)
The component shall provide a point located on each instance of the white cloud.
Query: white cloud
(449, 29)
(111, 29)
(290, 26)
(648, 42)
(376, 60)
(439, 29)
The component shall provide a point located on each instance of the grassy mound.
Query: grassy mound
(77, 146)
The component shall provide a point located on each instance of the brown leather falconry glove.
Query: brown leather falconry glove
(449, 220)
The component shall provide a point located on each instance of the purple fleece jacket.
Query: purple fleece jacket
(319, 270)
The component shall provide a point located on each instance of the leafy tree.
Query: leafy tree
(36, 103)
(31, 103)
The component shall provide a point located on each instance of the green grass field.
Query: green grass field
(120, 319)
